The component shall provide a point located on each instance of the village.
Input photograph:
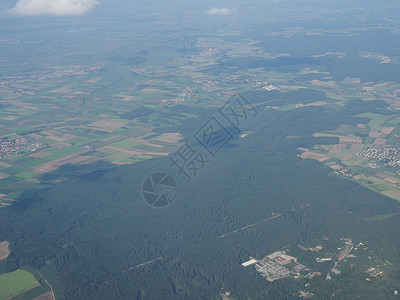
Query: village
(19, 145)
(388, 155)
(279, 265)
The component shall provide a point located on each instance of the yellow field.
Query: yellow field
(4, 251)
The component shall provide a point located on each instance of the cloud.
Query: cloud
(219, 11)
(53, 7)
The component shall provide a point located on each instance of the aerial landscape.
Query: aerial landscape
(199, 150)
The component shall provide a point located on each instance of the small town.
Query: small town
(266, 86)
(11, 148)
(189, 92)
(345, 172)
(234, 79)
(388, 155)
(276, 266)
(279, 264)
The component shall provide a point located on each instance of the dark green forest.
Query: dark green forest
(97, 229)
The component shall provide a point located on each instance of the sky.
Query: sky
(217, 13)
(216, 7)
(53, 7)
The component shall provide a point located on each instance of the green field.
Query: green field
(376, 120)
(359, 164)
(48, 272)
(287, 107)
(15, 282)
(382, 217)
(124, 144)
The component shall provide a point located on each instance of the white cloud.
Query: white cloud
(218, 11)
(53, 7)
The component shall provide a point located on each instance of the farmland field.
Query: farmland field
(15, 282)
(4, 251)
